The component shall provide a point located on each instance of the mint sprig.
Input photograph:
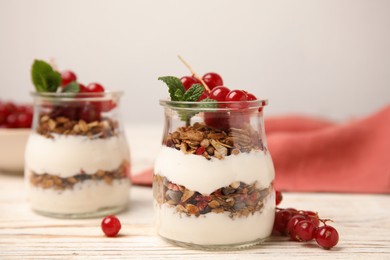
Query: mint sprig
(178, 93)
(44, 77)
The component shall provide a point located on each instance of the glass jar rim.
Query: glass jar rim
(70, 96)
(214, 105)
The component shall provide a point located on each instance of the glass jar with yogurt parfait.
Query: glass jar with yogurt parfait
(77, 158)
(213, 178)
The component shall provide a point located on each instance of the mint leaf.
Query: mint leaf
(212, 103)
(193, 93)
(44, 78)
(72, 87)
(178, 94)
(175, 87)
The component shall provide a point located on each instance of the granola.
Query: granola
(212, 142)
(48, 181)
(104, 128)
(238, 199)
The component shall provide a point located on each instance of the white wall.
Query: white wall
(329, 58)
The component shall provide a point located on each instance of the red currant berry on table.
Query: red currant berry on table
(111, 226)
(327, 237)
(282, 217)
(67, 76)
(304, 230)
(292, 223)
(219, 93)
(212, 80)
(188, 81)
(95, 88)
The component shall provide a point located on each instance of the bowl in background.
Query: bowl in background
(12, 144)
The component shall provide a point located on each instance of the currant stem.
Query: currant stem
(194, 74)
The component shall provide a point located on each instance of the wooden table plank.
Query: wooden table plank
(363, 222)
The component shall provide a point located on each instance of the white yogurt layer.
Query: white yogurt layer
(68, 155)
(213, 228)
(205, 176)
(85, 197)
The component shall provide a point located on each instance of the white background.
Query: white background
(321, 58)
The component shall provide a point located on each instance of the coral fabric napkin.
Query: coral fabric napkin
(315, 155)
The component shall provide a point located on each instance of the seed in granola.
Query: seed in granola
(52, 124)
(187, 195)
(174, 195)
(192, 135)
(220, 148)
(235, 151)
(205, 143)
(210, 150)
(228, 190)
(192, 209)
(213, 204)
(235, 184)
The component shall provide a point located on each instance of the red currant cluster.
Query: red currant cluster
(68, 76)
(89, 111)
(303, 226)
(218, 92)
(15, 116)
(111, 226)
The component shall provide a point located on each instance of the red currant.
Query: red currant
(188, 81)
(67, 76)
(251, 97)
(24, 120)
(236, 95)
(95, 88)
(89, 113)
(292, 223)
(219, 93)
(327, 237)
(200, 150)
(111, 226)
(203, 96)
(212, 80)
(282, 217)
(12, 121)
(217, 120)
(83, 88)
(279, 197)
(304, 230)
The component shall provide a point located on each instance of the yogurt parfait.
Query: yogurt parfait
(213, 179)
(76, 159)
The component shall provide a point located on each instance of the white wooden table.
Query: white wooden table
(363, 222)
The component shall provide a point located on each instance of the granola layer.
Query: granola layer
(239, 199)
(212, 142)
(104, 128)
(49, 181)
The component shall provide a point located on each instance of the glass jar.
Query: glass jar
(213, 178)
(77, 158)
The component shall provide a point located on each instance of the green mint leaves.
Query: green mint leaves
(72, 87)
(178, 92)
(176, 88)
(193, 93)
(44, 78)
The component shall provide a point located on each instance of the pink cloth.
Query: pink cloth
(314, 155)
